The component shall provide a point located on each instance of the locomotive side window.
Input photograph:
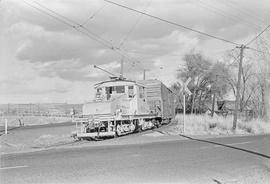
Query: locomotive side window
(141, 92)
(130, 91)
(99, 94)
(120, 89)
(109, 91)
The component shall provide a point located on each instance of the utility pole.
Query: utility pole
(185, 90)
(122, 68)
(214, 98)
(242, 47)
(6, 126)
(144, 72)
(213, 104)
(184, 110)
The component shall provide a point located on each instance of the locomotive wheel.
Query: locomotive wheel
(118, 130)
(154, 123)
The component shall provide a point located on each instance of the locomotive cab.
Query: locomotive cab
(113, 96)
(124, 106)
(118, 108)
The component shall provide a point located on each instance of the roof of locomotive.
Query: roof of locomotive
(109, 82)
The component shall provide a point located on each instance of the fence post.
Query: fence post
(6, 126)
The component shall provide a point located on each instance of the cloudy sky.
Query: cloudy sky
(44, 60)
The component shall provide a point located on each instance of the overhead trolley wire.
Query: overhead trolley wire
(256, 37)
(134, 25)
(77, 27)
(104, 42)
(242, 9)
(93, 15)
(107, 43)
(55, 17)
(179, 25)
(173, 23)
(66, 22)
(220, 11)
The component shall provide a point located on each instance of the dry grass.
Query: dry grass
(206, 125)
(52, 140)
(32, 120)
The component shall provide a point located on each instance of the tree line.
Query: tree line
(215, 81)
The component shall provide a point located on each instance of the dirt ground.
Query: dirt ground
(25, 138)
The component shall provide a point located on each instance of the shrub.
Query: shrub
(204, 124)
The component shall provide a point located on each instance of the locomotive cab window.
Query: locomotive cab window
(99, 94)
(109, 91)
(130, 91)
(141, 92)
(120, 89)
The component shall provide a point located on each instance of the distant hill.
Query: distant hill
(40, 109)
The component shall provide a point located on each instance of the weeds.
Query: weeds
(204, 124)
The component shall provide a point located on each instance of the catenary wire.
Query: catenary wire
(256, 37)
(134, 25)
(93, 15)
(104, 42)
(225, 14)
(87, 33)
(242, 9)
(173, 23)
(101, 40)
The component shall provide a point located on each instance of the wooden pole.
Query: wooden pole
(122, 68)
(238, 87)
(144, 74)
(213, 104)
(6, 126)
(184, 111)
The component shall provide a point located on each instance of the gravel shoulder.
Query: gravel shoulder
(37, 138)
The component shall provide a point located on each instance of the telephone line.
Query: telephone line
(242, 9)
(173, 23)
(77, 24)
(134, 25)
(232, 17)
(93, 15)
(89, 34)
(256, 37)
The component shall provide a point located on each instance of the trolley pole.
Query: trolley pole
(237, 100)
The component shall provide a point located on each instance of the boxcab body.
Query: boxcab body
(120, 107)
(160, 99)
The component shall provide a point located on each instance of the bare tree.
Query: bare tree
(263, 74)
(203, 73)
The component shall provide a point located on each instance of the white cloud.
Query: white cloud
(45, 60)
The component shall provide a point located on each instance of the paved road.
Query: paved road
(179, 161)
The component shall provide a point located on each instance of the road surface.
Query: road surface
(178, 161)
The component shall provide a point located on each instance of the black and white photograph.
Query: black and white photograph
(134, 91)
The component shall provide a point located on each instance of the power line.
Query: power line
(244, 10)
(77, 27)
(93, 15)
(257, 50)
(134, 25)
(255, 38)
(64, 22)
(173, 23)
(101, 40)
(233, 5)
(225, 14)
(179, 25)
